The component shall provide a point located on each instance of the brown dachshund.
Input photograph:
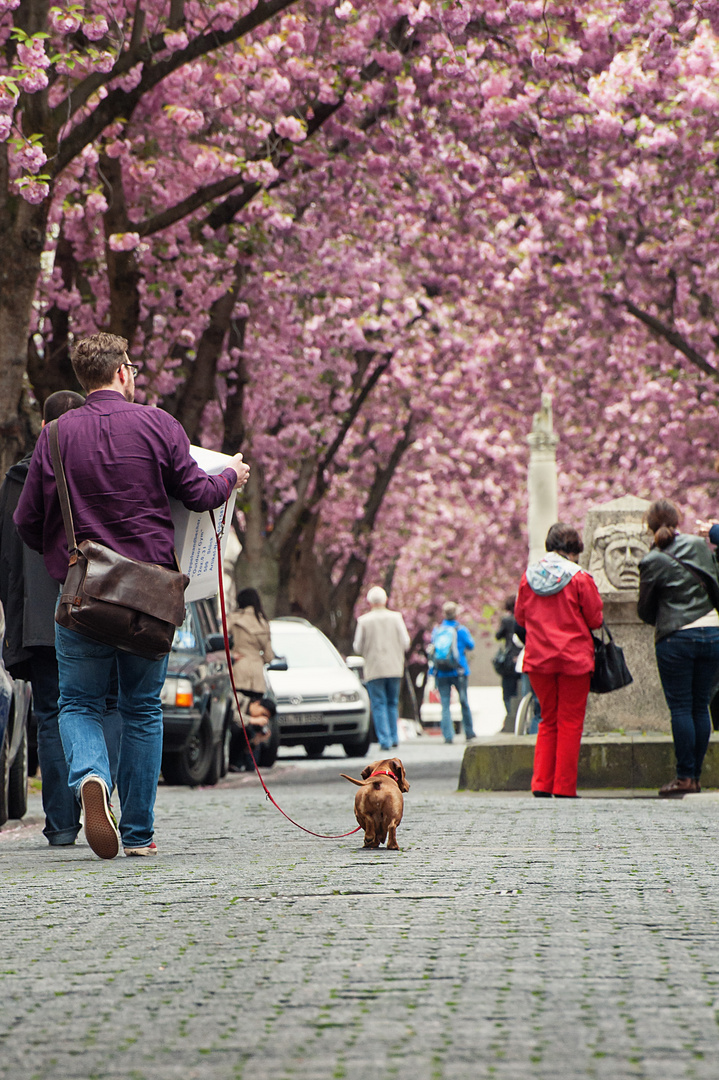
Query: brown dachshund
(379, 802)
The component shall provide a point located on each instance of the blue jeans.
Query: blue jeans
(444, 686)
(384, 699)
(85, 668)
(688, 662)
(62, 810)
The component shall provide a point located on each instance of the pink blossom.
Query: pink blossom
(289, 127)
(8, 5)
(95, 28)
(104, 61)
(33, 55)
(33, 80)
(32, 190)
(31, 157)
(5, 127)
(124, 241)
(7, 98)
(189, 119)
(344, 10)
(176, 40)
(64, 22)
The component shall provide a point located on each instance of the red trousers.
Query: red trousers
(563, 699)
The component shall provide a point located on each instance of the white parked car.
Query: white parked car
(320, 699)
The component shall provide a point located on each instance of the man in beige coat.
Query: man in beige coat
(382, 639)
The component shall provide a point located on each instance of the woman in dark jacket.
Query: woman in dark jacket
(559, 605)
(678, 588)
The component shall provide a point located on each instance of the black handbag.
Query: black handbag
(610, 667)
(133, 606)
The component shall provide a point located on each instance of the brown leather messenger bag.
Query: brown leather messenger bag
(133, 606)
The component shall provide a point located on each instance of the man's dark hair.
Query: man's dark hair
(97, 358)
(564, 539)
(60, 402)
(509, 603)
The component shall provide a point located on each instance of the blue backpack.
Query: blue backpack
(444, 652)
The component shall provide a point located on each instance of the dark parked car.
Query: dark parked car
(14, 707)
(197, 703)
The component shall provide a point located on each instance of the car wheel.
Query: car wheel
(358, 747)
(4, 780)
(313, 749)
(192, 764)
(221, 757)
(267, 753)
(17, 782)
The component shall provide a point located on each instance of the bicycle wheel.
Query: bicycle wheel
(525, 711)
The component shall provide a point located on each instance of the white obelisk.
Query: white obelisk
(541, 479)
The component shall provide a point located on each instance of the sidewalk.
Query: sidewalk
(510, 938)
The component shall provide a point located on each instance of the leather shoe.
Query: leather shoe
(685, 785)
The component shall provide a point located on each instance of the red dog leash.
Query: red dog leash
(321, 836)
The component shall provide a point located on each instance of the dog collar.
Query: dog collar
(384, 772)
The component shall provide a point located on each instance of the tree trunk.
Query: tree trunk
(22, 241)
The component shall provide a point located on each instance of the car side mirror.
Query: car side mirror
(278, 664)
(355, 663)
(215, 643)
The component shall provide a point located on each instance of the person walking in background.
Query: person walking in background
(558, 605)
(251, 650)
(678, 591)
(381, 638)
(451, 641)
(510, 678)
(29, 596)
(123, 462)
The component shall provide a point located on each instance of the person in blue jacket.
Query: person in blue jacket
(454, 639)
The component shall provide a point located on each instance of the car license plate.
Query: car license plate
(302, 718)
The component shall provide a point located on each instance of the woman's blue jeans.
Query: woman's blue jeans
(85, 668)
(688, 662)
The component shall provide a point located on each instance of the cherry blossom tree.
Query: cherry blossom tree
(360, 241)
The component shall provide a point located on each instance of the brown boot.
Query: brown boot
(685, 786)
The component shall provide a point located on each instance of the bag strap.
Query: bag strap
(692, 571)
(62, 491)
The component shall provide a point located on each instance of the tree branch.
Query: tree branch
(672, 337)
(122, 103)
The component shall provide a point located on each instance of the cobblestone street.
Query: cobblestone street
(510, 937)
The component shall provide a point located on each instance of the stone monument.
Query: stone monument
(615, 540)
(541, 479)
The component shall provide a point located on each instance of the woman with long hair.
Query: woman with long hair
(678, 590)
(559, 605)
(251, 650)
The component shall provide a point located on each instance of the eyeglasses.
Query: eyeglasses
(131, 367)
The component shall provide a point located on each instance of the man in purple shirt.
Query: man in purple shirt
(123, 462)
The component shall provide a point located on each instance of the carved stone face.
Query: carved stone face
(616, 553)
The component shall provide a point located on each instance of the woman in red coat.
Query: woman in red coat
(558, 605)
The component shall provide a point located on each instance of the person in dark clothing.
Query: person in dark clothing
(506, 632)
(678, 589)
(29, 596)
(123, 463)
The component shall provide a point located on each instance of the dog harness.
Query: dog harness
(384, 772)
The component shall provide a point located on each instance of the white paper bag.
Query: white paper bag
(195, 541)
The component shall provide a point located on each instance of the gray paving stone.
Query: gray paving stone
(510, 938)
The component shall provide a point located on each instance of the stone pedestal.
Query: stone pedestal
(615, 540)
(641, 705)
